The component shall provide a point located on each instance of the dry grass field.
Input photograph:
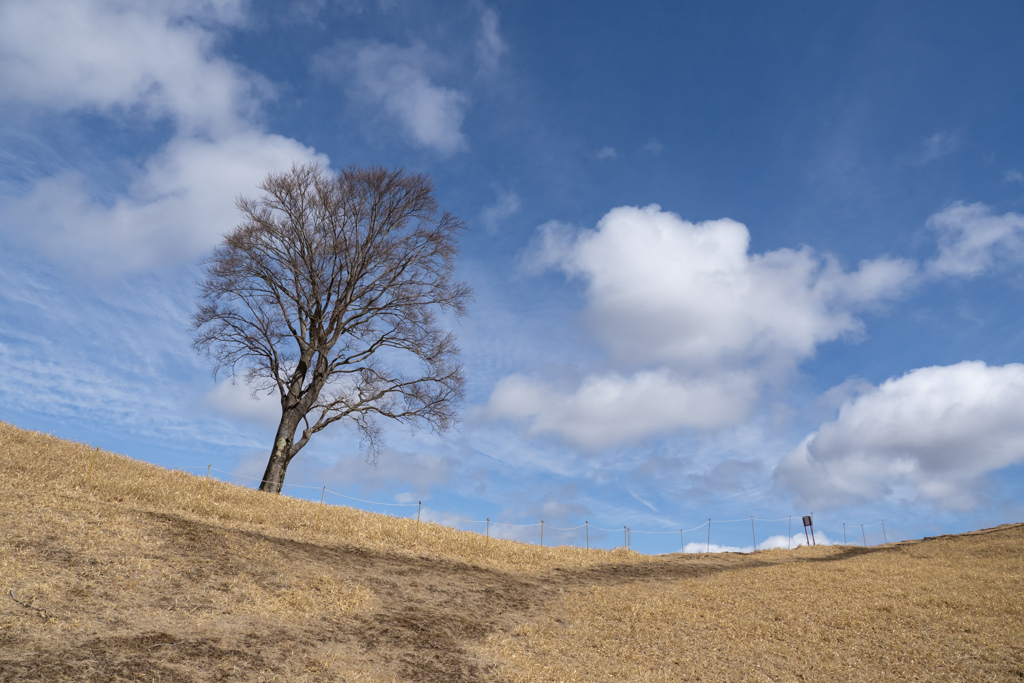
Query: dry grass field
(116, 570)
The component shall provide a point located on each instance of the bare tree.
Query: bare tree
(328, 292)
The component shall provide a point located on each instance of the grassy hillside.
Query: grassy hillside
(112, 569)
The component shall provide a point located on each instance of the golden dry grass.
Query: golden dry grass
(41, 465)
(946, 610)
(121, 570)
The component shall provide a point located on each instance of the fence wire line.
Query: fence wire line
(242, 476)
(458, 519)
(547, 526)
(314, 488)
(371, 502)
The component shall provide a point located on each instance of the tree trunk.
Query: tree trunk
(281, 454)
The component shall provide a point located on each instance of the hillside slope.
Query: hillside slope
(118, 570)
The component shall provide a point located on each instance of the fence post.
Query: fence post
(682, 546)
(625, 536)
(863, 536)
(322, 493)
(488, 541)
(844, 533)
(789, 541)
(206, 487)
(418, 511)
(709, 534)
(752, 534)
(95, 454)
(884, 537)
(587, 524)
(542, 533)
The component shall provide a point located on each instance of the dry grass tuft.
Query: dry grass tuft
(121, 570)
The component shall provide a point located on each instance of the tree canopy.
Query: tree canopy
(329, 292)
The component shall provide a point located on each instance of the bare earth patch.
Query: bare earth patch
(116, 570)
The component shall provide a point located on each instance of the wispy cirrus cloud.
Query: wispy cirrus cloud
(505, 207)
(654, 147)
(933, 148)
(490, 47)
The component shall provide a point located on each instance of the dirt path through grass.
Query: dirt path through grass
(206, 602)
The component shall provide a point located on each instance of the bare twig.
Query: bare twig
(39, 610)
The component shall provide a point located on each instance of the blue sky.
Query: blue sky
(729, 259)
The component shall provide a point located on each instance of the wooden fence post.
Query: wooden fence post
(206, 487)
(95, 455)
(322, 493)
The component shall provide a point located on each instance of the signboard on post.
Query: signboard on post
(808, 522)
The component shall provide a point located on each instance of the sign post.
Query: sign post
(808, 522)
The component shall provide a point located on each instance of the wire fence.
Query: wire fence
(584, 538)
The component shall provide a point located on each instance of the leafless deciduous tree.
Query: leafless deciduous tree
(328, 292)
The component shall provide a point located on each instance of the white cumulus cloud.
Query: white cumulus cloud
(662, 289)
(695, 322)
(177, 207)
(397, 79)
(614, 408)
(972, 239)
(931, 434)
(100, 55)
(138, 62)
